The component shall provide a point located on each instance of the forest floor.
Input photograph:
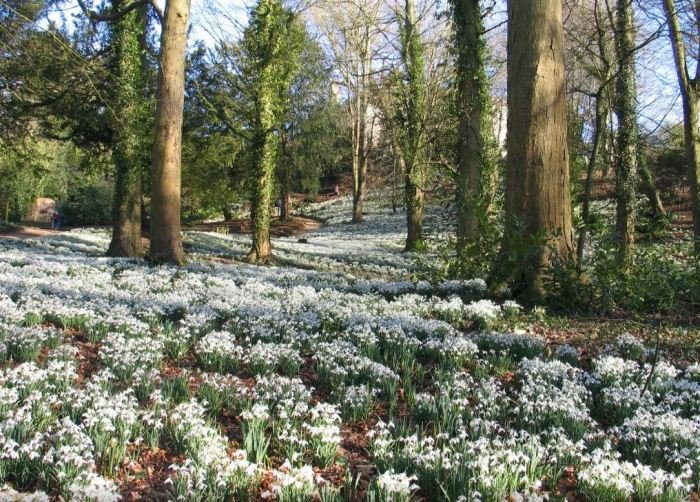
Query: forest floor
(342, 374)
(293, 226)
(22, 232)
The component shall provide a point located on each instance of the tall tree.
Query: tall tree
(625, 105)
(476, 161)
(166, 241)
(271, 48)
(538, 200)
(129, 113)
(690, 94)
(411, 115)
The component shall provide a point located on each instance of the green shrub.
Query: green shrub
(89, 204)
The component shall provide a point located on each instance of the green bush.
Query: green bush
(89, 204)
(663, 279)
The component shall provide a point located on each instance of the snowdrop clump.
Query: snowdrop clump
(605, 477)
(394, 486)
(567, 354)
(483, 312)
(249, 382)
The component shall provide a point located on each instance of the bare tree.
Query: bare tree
(353, 34)
(591, 72)
(690, 92)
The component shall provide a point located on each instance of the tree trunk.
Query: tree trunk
(265, 155)
(228, 215)
(538, 200)
(359, 161)
(473, 159)
(284, 171)
(414, 215)
(398, 192)
(692, 152)
(362, 139)
(626, 111)
(126, 231)
(286, 213)
(601, 114)
(413, 149)
(394, 178)
(689, 94)
(129, 115)
(166, 241)
(609, 161)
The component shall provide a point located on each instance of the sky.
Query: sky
(210, 19)
(213, 20)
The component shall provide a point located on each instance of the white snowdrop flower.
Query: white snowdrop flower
(90, 486)
(566, 353)
(482, 310)
(8, 494)
(397, 483)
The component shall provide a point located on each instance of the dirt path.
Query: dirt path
(21, 233)
(291, 227)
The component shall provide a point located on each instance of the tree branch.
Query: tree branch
(94, 16)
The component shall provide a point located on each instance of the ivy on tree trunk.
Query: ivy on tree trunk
(272, 45)
(129, 112)
(411, 130)
(626, 111)
(476, 148)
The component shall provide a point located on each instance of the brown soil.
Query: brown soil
(22, 233)
(293, 226)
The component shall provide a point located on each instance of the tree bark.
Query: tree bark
(609, 161)
(627, 137)
(362, 132)
(128, 116)
(284, 171)
(413, 148)
(689, 95)
(166, 240)
(274, 49)
(473, 159)
(538, 200)
(126, 230)
(360, 156)
(265, 155)
(286, 212)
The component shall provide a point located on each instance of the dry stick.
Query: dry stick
(653, 364)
